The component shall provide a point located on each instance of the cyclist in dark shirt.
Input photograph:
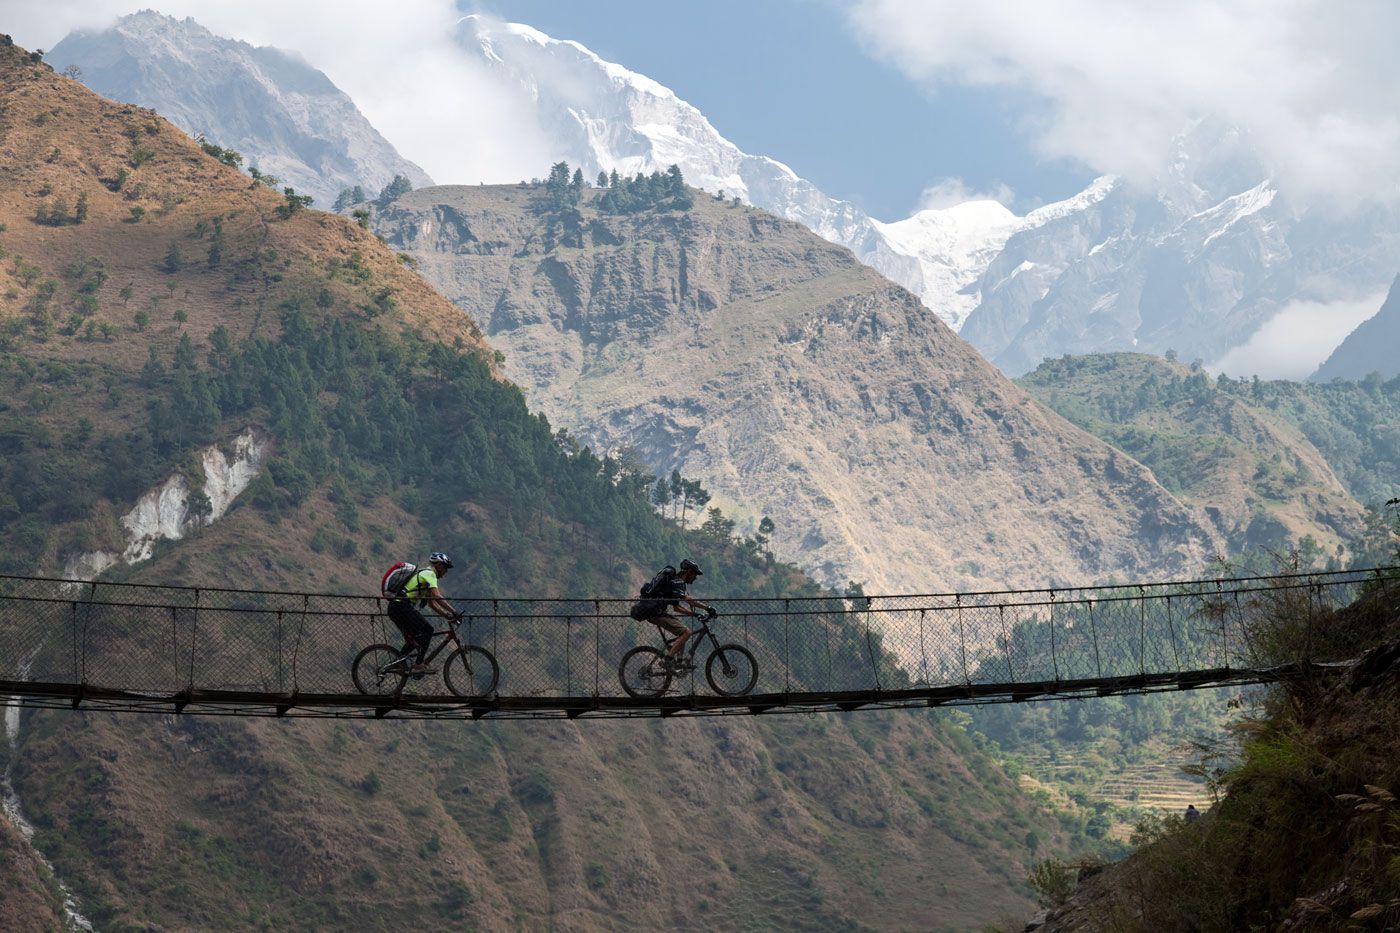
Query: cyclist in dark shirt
(675, 595)
(417, 630)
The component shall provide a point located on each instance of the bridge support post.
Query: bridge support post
(1094, 631)
(1006, 643)
(962, 638)
(1142, 630)
(787, 658)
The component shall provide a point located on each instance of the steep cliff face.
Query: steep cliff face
(283, 115)
(744, 350)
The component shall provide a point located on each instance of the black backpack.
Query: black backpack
(659, 585)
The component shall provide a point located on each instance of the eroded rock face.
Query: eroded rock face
(170, 511)
(795, 382)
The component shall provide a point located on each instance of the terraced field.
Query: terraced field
(1155, 784)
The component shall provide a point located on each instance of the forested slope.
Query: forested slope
(1271, 463)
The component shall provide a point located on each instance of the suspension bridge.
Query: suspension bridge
(212, 651)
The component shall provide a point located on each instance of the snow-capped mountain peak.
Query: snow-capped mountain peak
(285, 116)
(603, 116)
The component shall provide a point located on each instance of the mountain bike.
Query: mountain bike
(731, 670)
(470, 671)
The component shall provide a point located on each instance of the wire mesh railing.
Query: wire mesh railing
(172, 641)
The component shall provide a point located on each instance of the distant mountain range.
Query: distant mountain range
(1196, 261)
(283, 115)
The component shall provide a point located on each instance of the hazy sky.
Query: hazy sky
(886, 102)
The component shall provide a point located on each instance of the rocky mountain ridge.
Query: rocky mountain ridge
(602, 116)
(1370, 348)
(744, 350)
(282, 114)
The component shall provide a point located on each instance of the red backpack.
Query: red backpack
(396, 578)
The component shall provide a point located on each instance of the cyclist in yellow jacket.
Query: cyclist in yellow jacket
(417, 630)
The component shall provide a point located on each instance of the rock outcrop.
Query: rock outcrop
(175, 508)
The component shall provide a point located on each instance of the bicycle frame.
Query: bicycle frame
(695, 638)
(451, 639)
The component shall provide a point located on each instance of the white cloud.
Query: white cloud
(1315, 83)
(1294, 342)
(397, 60)
(953, 191)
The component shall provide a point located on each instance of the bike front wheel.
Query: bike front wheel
(731, 671)
(471, 672)
(643, 673)
(379, 671)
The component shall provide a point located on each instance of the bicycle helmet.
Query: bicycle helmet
(440, 557)
(689, 564)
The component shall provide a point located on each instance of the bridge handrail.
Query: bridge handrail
(1156, 584)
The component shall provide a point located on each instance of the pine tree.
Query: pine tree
(602, 179)
(80, 210)
(395, 189)
(172, 262)
(661, 495)
(153, 372)
(184, 353)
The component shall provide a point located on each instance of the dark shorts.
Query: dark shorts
(415, 628)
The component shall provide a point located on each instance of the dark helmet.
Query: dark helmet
(689, 564)
(440, 557)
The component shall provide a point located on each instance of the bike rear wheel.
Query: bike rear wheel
(731, 671)
(642, 673)
(379, 671)
(471, 671)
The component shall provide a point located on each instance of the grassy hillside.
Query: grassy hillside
(1253, 469)
(391, 434)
